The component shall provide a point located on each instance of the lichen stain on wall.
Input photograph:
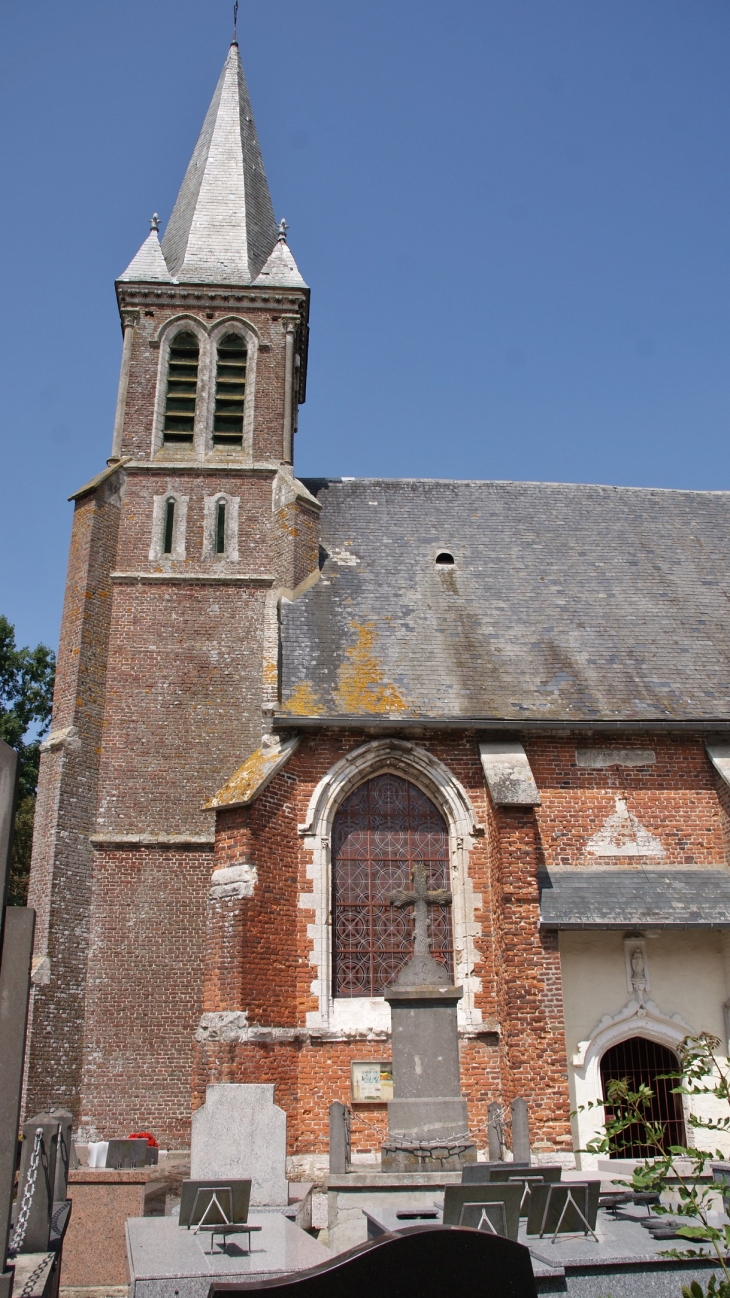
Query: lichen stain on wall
(362, 685)
(302, 701)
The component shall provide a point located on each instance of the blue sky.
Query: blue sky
(513, 215)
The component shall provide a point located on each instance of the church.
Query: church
(282, 703)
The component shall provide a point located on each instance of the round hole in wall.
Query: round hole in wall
(443, 556)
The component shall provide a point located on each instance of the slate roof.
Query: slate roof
(148, 264)
(577, 899)
(222, 228)
(565, 602)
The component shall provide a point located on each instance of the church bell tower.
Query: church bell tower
(181, 550)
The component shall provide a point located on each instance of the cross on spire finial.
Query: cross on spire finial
(235, 23)
(283, 227)
(419, 899)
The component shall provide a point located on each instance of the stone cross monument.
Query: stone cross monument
(427, 1118)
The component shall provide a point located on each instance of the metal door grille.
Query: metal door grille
(379, 833)
(644, 1061)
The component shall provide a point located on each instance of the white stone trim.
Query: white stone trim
(208, 337)
(509, 775)
(719, 755)
(210, 506)
(231, 882)
(233, 1025)
(599, 759)
(634, 1020)
(372, 1014)
(251, 336)
(179, 527)
(183, 323)
(68, 737)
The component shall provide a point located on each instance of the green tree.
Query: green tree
(26, 695)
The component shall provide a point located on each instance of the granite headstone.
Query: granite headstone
(240, 1132)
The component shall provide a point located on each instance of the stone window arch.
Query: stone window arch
(182, 396)
(221, 436)
(220, 527)
(169, 526)
(644, 1020)
(369, 1016)
(646, 1062)
(380, 832)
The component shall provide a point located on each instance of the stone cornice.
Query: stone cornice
(151, 839)
(224, 297)
(196, 578)
(221, 1026)
(199, 467)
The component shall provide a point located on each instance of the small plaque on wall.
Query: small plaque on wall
(372, 1081)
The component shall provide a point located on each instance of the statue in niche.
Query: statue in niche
(638, 974)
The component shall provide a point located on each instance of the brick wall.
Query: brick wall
(145, 971)
(258, 960)
(160, 669)
(61, 870)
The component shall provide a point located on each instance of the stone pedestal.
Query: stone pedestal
(95, 1248)
(427, 1118)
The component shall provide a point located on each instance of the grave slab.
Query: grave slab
(168, 1261)
(240, 1132)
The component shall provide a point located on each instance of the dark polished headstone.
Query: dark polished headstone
(414, 1261)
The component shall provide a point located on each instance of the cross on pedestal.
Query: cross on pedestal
(420, 899)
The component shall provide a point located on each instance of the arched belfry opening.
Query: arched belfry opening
(383, 830)
(641, 1060)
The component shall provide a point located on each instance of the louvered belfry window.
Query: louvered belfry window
(182, 388)
(642, 1060)
(380, 832)
(230, 391)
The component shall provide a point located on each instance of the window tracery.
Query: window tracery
(381, 831)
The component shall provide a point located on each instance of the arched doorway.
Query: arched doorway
(642, 1060)
(379, 833)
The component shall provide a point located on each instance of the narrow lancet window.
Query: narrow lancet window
(230, 391)
(169, 527)
(182, 389)
(220, 527)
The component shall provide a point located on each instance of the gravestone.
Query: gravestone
(339, 1131)
(520, 1131)
(427, 1262)
(240, 1132)
(427, 1117)
(495, 1131)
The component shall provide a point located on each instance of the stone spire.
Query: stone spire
(222, 228)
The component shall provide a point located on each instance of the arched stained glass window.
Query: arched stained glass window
(380, 832)
(182, 388)
(230, 391)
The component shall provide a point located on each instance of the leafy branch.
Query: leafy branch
(700, 1073)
